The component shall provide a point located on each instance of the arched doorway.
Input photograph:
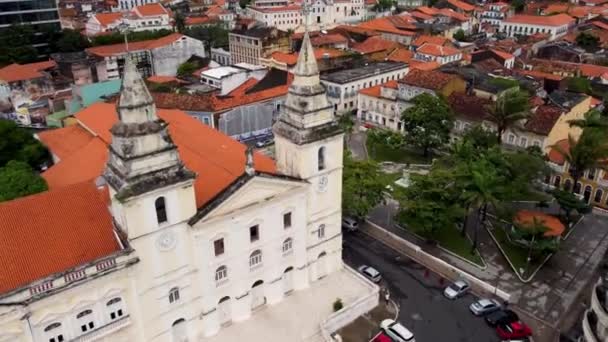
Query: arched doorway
(224, 309)
(577, 188)
(557, 181)
(257, 295)
(587, 193)
(288, 280)
(568, 185)
(178, 331)
(322, 265)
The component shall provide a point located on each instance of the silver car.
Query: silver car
(484, 307)
(396, 331)
(370, 273)
(457, 289)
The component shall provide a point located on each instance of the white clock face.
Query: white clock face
(322, 185)
(166, 241)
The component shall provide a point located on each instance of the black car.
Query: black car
(501, 317)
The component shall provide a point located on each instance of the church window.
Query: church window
(54, 332)
(85, 319)
(218, 247)
(255, 258)
(598, 195)
(115, 307)
(287, 245)
(287, 220)
(254, 233)
(321, 158)
(221, 273)
(173, 295)
(321, 231)
(161, 210)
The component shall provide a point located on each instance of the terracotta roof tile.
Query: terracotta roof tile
(427, 10)
(462, 5)
(502, 54)
(114, 49)
(403, 55)
(65, 141)
(424, 66)
(151, 10)
(437, 50)
(395, 25)
(22, 72)
(551, 20)
(526, 218)
(453, 14)
(555, 156)
(420, 15)
(437, 40)
(326, 39)
(200, 20)
(40, 240)
(106, 19)
(470, 107)
(434, 80)
(217, 159)
(376, 91)
(163, 79)
(375, 44)
(543, 119)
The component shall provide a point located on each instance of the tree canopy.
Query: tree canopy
(428, 123)
(362, 186)
(460, 35)
(16, 45)
(510, 107)
(19, 144)
(17, 179)
(135, 36)
(587, 41)
(69, 41)
(186, 69)
(216, 35)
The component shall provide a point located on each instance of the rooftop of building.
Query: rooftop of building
(549, 20)
(375, 44)
(543, 119)
(369, 70)
(437, 50)
(470, 107)
(431, 79)
(121, 48)
(566, 99)
(22, 72)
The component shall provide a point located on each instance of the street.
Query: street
(423, 309)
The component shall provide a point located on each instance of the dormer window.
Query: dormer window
(321, 159)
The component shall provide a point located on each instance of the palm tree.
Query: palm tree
(592, 119)
(179, 22)
(510, 107)
(590, 151)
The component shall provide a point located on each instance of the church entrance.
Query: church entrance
(257, 295)
(322, 265)
(288, 280)
(225, 311)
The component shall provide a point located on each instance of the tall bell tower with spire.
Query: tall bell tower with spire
(309, 145)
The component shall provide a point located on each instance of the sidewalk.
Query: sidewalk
(551, 294)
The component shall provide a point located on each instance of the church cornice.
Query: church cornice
(301, 136)
(129, 130)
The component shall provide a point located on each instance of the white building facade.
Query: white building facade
(180, 272)
(525, 25)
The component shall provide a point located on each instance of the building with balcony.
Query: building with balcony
(159, 228)
(250, 44)
(343, 86)
(494, 13)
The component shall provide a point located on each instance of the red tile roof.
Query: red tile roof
(526, 218)
(375, 44)
(106, 19)
(292, 58)
(163, 79)
(116, 49)
(199, 20)
(22, 72)
(470, 107)
(453, 14)
(427, 10)
(462, 5)
(550, 20)
(540, 74)
(394, 24)
(543, 119)
(502, 54)
(151, 10)
(600, 24)
(52, 232)
(555, 156)
(437, 40)
(425, 66)
(437, 50)
(65, 141)
(434, 80)
(420, 15)
(217, 159)
(403, 55)
(376, 91)
(326, 39)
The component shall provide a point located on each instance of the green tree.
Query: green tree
(578, 85)
(460, 35)
(69, 41)
(589, 152)
(384, 5)
(430, 203)
(347, 123)
(428, 123)
(186, 69)
(179, 22)
(19, 144)
(568, 203)
(216, 35)
(16, 45)
(17, 179)
(481, 139)
(518, 5)
(533, 236)
(362, 186)
(510, 107)
(587, 41)
(593, 119)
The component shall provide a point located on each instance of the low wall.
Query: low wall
(433, 263)
(351, 312)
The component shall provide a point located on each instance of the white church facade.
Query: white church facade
(177, 244)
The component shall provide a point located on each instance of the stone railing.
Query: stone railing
(107, 329)
(349, 313)
(589, 325)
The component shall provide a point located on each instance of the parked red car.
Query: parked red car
(381, 337)
(513, 330)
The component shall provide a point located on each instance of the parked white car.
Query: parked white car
(457, 289)
(484, 306)
(396, 331)
(370, 273)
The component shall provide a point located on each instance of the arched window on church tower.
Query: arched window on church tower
(321, 158)
(161, 210)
